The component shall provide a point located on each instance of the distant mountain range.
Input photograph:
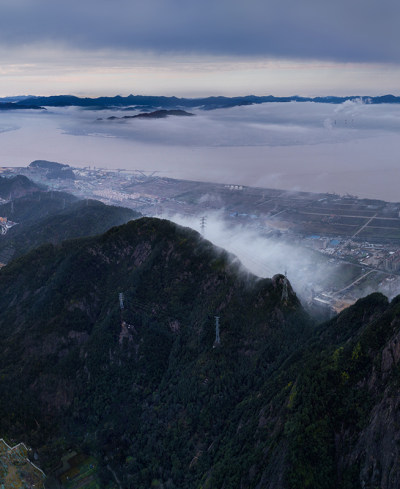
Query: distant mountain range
(18, 106)
(148, 102)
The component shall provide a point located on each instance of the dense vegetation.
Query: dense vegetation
(18, 186)
(279, 403)
(54, 170)
(69, 364)
(52, 217)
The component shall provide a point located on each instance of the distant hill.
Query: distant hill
(48, 165)
(17, 186)
(54, 170)
(57, 216)
(206, 103)
(18, 98)
(19, 106)
(157, 114)
(36, 205)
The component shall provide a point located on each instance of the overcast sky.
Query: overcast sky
(187, 47)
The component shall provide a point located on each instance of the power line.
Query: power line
(217, 338)
(121, 300)
(285, 294)
(203, 220)
(146, 308)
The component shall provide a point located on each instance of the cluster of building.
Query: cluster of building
(5, 225)
(373, 255)
(234, 187)
(392, 262)
(113, 195)
(338, 222)
(16, 470)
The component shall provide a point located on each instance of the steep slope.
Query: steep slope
(332, 420)
(82, 218)
(355, 416)
(35, 205)
(18, 186)
(145, 389)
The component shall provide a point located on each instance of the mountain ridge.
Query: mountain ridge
(140, 382)
(63, 328)
(207, 103)
(17, 186)
(59, 216)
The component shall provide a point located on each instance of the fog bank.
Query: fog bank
(348, 148)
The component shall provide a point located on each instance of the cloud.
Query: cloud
(303, 146)
(307, 270)
(271, 124)
(312, 29)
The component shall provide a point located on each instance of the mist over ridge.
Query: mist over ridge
(308, 272)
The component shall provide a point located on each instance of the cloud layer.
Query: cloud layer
(269, 124)
(311, 29)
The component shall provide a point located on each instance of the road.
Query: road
(364, 226)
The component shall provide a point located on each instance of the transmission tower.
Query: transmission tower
(285, 294)
(203, 220)
(121, 300)
(217, 338)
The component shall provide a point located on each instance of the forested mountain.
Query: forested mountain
(18, 186)
(35, 205)
(53, 170)
(73, 369)
(54, 218)
(139, 381)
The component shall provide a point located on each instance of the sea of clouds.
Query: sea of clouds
(348, 148)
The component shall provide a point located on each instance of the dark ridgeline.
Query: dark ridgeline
(207, 103)
(53, 170)
(52, 217)
(19, 106)
(18, 186)
(157, 114)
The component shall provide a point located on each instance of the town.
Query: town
(356, 241)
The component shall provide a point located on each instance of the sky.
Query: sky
(197, 48)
